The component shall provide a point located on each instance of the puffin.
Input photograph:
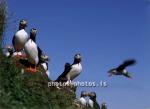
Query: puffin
(42, 66)
(8, 52)
(121, 69)
(92, 102)
(71, 71)
(104, 106)
(20, 37)
(82, 100)
(32, 50)
(43, 63)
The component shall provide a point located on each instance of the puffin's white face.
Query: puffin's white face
(78, 57)
(84, 94)
(104, 104)
(23, 23)
(34, 31)
(9, 48)
(44, 58)
(92, 95)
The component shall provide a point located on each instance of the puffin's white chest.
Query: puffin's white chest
(82, 101)
(32, 51)
(124, 71)
(75, 71)
(90, 103)
(21, 37)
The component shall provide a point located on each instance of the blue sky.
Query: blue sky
(105, 32)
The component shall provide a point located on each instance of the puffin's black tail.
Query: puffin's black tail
(128, 75)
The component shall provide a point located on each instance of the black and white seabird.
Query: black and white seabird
(82, 100)
(8, 52)
(32, 50)
(92, 102)
(42, 66)
(43, 63)
(71, 71)
(121, 70)
(20, 37)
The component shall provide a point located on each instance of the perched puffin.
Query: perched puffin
(43, 63)
(82, 99)
(32, 50)
(20, 37)
(104, 106)
(121, 69)
(71, 71)
(42, 66)
(8, 52)
(92, 102)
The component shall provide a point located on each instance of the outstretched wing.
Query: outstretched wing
(65, 72)
(125, 64)
(111, 70)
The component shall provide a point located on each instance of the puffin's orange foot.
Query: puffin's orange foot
(23, 56)
(34, 70)
(19, 56)
(31, 70)
(28, 69)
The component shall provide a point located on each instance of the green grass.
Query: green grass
(27, 91)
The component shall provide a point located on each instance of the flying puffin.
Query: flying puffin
(20, 37)
(104, 106)
(92, 102)
(121, 69)
(71, 71)
(82, 99)
(32, 50)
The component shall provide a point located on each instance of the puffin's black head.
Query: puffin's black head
(10, 49)
(22, 24)
(83, 94)
(92, 95)
(77, 58)
(44, 58)
(104, 106)
(33, 33)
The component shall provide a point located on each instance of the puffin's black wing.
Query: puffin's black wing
(103, 107)
(47, 65)
(125, 64)
(110, 71)
(65, 72)
(39, 51)
(13, 42)
(96, 105)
